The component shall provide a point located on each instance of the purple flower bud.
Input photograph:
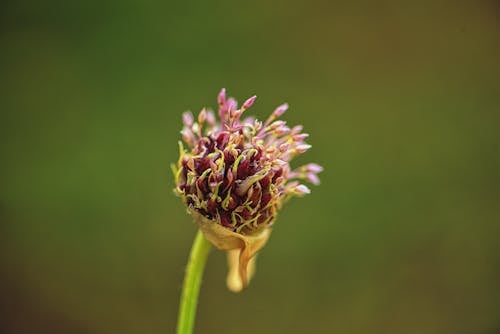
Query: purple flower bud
(187, 136)
(296, 129)
(202, 116)
(313, 178)
(187, 119)
(300, 137)
(284, 147)
(248, 103)
(280, 110)
(302, 148)
(302, 189)
(277, 124)
(281, 130)
(221, 98)
(210, 118)
(315, 168)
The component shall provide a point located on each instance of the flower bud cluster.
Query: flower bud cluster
(236, 171)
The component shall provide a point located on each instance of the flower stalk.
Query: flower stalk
(192, 281)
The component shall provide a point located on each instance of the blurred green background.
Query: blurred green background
(401, 100)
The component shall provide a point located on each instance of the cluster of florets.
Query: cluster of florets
(236, 172)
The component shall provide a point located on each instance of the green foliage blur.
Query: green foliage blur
(402, 101)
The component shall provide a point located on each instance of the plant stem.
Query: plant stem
(192, 280)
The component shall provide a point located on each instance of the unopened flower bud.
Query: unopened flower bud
(302, 189)
(280, 110)
(302, 148)
(300, 137)
(315, 168)
(202, 116)
(234, 177)
(284, 147)
(211, 118)
(187, 119)
(313, 178)
(248, 103)
(221, 98)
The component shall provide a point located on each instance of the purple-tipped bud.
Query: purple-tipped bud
(313, 178)
(296, 129)
(187, 119)
(221, 98)
(248, 103)
(187, 136)
(314, 168)
(284, 147)
(280, 110)
(302, 189)
(277, 124)
(302, 148)
(281, 130)
(202, 116)
(300, 137)
(211, 118)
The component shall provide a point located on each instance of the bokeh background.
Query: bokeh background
(402, 101)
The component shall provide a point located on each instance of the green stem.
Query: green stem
(192, 281)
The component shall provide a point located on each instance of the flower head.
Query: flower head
(235, 176)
